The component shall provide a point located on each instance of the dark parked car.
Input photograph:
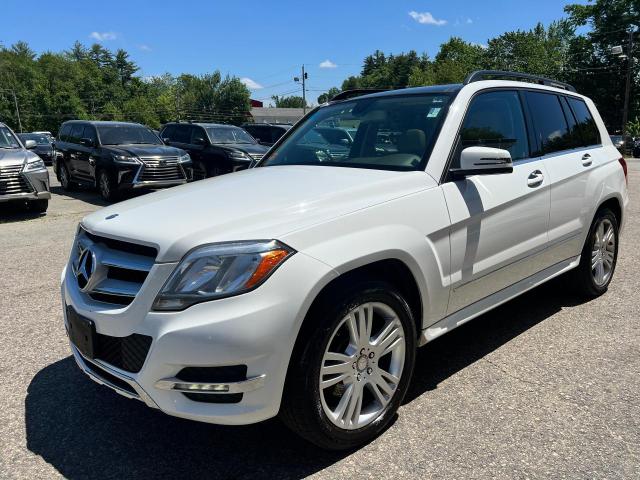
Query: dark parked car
(636, 148)
(215, 149)
(623, 143)
(43, 148)
(266, 133)
(117, 156)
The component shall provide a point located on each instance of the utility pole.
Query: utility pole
(627, 89)
(15, 100)
(304, 89)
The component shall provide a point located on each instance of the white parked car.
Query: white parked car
(304, 286)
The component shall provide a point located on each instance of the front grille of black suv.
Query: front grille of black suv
(161, 170)
(121, 270)
(12, 181)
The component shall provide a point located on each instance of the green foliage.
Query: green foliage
(328, 95)
(96, 83)
(633, 128)
(288, 102)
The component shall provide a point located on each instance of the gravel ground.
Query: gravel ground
(546, 386)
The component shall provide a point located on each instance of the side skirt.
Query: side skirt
(488, 303)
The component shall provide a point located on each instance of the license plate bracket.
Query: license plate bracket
(82, 332)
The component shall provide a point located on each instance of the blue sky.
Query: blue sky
(265, 42)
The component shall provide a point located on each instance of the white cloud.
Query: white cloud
(144, 48)
(103, 36)
(251, 84)
(426, 18)
(327, 64)
(469, 21)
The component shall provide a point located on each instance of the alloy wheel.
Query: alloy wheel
(362, 365)
(603, 252)
(105, 187)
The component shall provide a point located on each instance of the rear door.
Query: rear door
(499, 222)
(570, 145)
(85, 161)
(74, 150)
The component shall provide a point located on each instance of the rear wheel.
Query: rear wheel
(349, 378)
(599, 255)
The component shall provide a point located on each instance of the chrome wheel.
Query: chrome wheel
(199, 171)
(64, 177)
(362, 365)
(603, 252)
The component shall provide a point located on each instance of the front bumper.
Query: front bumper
(257, 329)
(38, 182)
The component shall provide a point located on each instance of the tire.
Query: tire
(107, 187)
(199, 171)
(39, 206)
(589, 280)
(315, 413)
(65, 178)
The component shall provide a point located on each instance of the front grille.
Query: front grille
(125, 353)
(161, 170)
(12, 181)
(119, 270)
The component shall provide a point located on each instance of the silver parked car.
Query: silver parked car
(23, 175)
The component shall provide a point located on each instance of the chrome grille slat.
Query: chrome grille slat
(120, 288)
(12, 181)
(125, 260)
(163, 169)
(256, 156)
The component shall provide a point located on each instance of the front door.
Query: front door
(499, 222)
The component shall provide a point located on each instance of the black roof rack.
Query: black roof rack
(483, 74)
(356, 92)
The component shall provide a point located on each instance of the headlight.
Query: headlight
(220, 270)
(125, 159)
(238, 155)
(184, 158)
(33, 165)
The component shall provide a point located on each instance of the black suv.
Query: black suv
(117, 156)
(267, 133)
(214, 148)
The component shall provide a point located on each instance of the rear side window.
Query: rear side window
(494, 119)
(586, 125)
(64, 133)
(552, 130)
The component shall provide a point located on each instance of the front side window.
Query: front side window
(552, 130)
(387, 132)
(127, 135)
(198, 136)
(494, 119)
(586, 125)
(8, 139)
(76, 133)
(90, 134)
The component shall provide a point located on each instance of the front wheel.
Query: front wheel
(107, 187)
(349, 378)
(599, 255)
(65, 178)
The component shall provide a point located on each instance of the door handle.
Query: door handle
(535, 179)
(586, 160)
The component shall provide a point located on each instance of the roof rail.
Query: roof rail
(483, 74)
(356, 92)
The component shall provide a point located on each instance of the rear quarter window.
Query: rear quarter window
(585, 124)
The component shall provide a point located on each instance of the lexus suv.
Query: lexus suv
(24, 178)
(116, 157)
(215, 149)
(308, 294)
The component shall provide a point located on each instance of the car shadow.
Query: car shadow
(87, 431)
(17, 212)
(84, 194)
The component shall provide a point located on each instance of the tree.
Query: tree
(328, 95)
(288, 102)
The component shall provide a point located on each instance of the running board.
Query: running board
(488, 303)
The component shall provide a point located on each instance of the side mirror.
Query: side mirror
(345, 142)
(166, 139)
(29, 144)
(87, 142)
(483, 161)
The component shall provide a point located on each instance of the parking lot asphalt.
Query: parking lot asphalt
(546, 386)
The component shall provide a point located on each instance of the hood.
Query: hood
(15, 156)
(260, 203)
(247, 147)
(149, 150)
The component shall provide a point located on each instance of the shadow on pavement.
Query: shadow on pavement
(84, 430)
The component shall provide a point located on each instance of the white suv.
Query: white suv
(303, 287)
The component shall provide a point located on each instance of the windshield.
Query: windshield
(389, 133)
(127, 135)
(39, 139)
(229, 135)
(8, 139)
